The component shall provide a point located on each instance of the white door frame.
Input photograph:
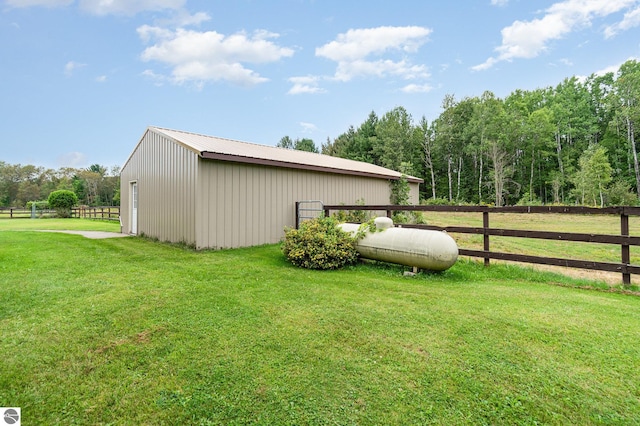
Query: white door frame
(134, 207)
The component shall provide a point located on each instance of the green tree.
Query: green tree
(539, 132)
(395, 142)
(627, 86)
(62, 201)
(91, 182)
(357, 144)
(445, 137)
(570, 104)
(495, 142)
(365, 141)
(285, 142)
(425, 134)
(305, 145)
(341, 145)
(593, 176)
(299, 144)
(529, 143)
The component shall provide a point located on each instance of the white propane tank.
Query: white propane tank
(420, 248)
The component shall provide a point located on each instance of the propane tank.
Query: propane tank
(420, 248)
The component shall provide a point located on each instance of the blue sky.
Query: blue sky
(82, 79)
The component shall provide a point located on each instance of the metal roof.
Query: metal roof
(216, 148)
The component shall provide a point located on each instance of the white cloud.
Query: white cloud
(72, 159)
(105, 7)
(71, 66)
(158, 80)
(128, 7)
(528, 39)
(499, 2)
(305, 85)
(45, 3)
(185, 19)
(308, 127)
(353, 51)
(630, 20)
(147, 32)
(610, 69)
(101, 79)
(614, 68)
(199, 57)
(357, 44)
(348, 70)
(416, 88)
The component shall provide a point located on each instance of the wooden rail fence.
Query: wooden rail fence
(101, 212)
(624, 240)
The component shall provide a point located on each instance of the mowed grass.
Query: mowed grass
(131, 331)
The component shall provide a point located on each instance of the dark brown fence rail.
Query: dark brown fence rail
(624, 240)
(102, 212)
(17, 213)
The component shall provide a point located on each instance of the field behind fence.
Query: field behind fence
(100, 212)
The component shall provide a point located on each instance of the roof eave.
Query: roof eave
(289, 165)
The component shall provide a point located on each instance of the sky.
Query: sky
(81, 80)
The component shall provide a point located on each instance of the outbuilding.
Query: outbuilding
(212, 192)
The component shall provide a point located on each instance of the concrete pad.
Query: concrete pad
(94, 235)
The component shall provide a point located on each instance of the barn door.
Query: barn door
(134, 208)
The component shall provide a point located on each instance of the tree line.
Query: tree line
(569, 144)
(94, 186)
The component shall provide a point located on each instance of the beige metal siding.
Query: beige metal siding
(166, 175)
(244, 205)
(221, 204)
(414, 193)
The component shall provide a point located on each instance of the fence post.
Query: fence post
(485, 231)
(297, 215)
(626, 259)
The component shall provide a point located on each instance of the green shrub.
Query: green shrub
(400, 191)
(353, 216)
(437, 202)
(529, 200)
(620, 194)
(40, 205)
(62, 201)
(400, 217)
(319, 244)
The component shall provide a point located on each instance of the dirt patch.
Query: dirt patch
(610, 278)
(138, 339)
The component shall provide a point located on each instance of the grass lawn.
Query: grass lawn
(131, 331)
